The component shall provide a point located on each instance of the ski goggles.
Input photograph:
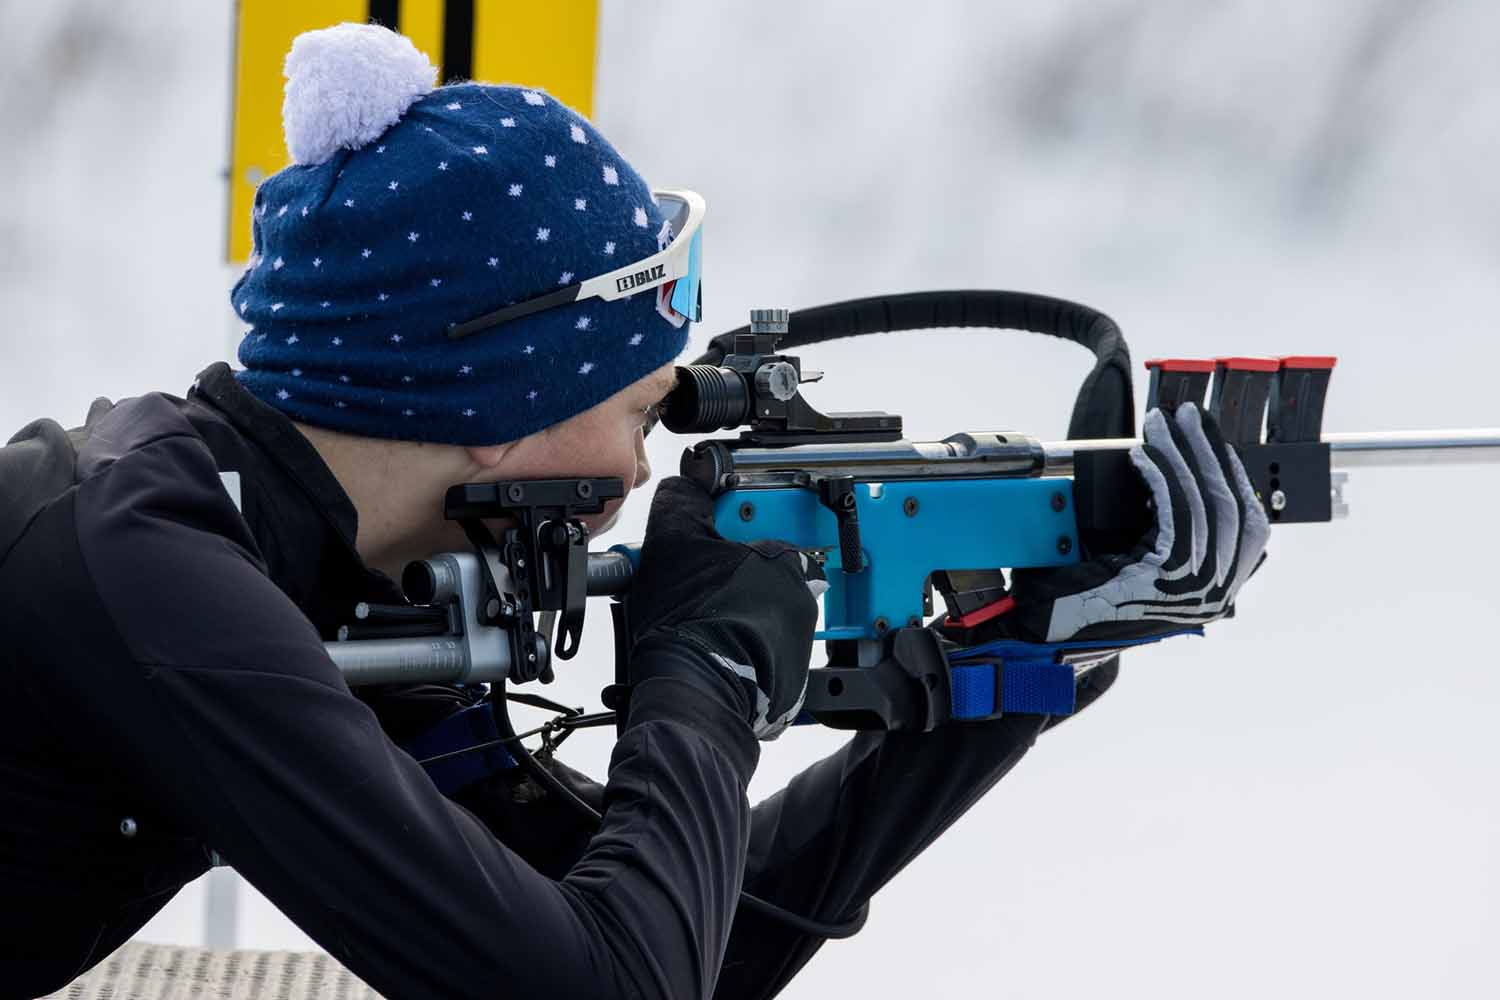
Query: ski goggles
(675, 271)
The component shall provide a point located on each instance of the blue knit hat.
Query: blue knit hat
(408, 209)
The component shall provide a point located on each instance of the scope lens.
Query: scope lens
(707, 398)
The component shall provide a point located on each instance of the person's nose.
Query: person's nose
(642, 463)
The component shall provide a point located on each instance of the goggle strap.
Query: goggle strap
(561, 297)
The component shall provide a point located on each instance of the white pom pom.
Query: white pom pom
(346, 85)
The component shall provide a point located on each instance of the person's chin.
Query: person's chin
(609, 519)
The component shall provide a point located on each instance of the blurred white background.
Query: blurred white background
(1300, 805)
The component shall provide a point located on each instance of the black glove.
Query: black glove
(746, 610)
(1210, 535)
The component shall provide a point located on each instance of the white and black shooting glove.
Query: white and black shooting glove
(747, 611)
(1210, 535)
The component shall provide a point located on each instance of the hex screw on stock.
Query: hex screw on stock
(882, 626)
(1064, 544)
(1059, 502)
(910, 505)
(747, 511)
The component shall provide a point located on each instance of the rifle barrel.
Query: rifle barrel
(1358, 450)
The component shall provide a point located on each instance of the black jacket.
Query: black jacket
(162, 662)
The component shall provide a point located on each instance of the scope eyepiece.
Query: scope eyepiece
(707, 398)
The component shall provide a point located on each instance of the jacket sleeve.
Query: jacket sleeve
(221, 699)
(844, 827)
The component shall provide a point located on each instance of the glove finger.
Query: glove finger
(1173, 543)
(681, 509)
(1158, 434)
(1219, 501)
(1256, 533)
(1208, 445)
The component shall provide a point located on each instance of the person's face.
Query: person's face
(606, 441)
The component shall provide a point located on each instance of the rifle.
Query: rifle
(893, 520)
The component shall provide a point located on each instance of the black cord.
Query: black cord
(551, 782)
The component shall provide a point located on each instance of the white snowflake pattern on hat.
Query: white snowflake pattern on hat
(533, 98)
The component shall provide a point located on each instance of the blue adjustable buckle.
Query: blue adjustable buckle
(1008, 676)
(463, 729)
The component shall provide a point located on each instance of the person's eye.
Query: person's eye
(650, 416)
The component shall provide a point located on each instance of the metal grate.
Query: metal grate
(140, 971)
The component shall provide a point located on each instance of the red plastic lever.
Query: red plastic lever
(1181, 365)
(1322, 363)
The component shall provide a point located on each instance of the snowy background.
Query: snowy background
(1303, 804)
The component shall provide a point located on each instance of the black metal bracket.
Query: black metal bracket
(908, 689)
(544, 556)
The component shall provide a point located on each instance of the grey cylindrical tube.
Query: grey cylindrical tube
(1381, 449)
(438, 660)
(610, 573)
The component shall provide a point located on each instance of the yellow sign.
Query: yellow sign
(549, 45)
